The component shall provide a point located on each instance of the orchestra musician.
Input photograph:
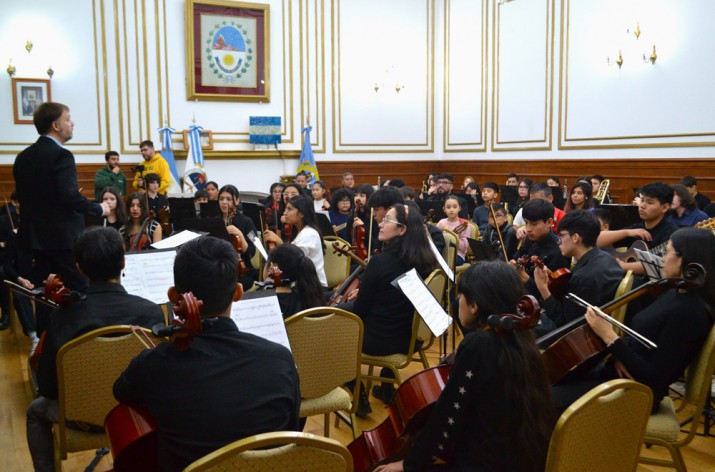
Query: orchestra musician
(454, 223)
(274, 202)
(227, 385)
(117, 216)
(137, 214)
(678, 322)
(495, 411)
(157, 201)
(508, 235)
(580, 198)
(300, 288)
(385, 311)
(100, 257)
(319, 192)
(300, 215)
(594, 278)
(212, 189)
(340, 212)
(490, 194)
(239, 226)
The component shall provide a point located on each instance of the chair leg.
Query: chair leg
(370, 370)
(326, 425)
(58, 453)
(353, 425)
(423, 358)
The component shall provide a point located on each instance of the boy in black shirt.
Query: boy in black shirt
(653, 229)
(508, 235)
(540, 241)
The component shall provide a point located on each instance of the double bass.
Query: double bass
(414, 399)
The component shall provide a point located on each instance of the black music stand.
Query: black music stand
(254, 212)
(210, 209)
(481, 250)
(181, 208)
(559, 201)
(212, 226)
(508, 194)
(622, 216)
(436, 205)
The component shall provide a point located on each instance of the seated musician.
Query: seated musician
(227, 385)
(495, 410)
(596, 182)
(454, 223)
(490, 193)
(137, 215)
(655, 230)
(157, 201)
(201, 196)
(117, 215)
(544, 192)
(540, 241)
(300, 288)
(239, 226)
(408, 193)
(604, 218)
(378, 204)
(678, 323)
(684, 209)
(100, 257)
(385, 311)
(508, 235)
(341, 210)
(212, 189)
(300, 215)
(691, 184)
(362, 214)
(594, 278)
(580, 198)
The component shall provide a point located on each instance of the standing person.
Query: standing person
(100, 256)
(495, 411)
(239, 227)
(212, 189)
(227, 385)
(454, 223)
(153, 163)
(117, 216)
(52, 206)
(580, 198)
(110, 176)
(137, 215)
(301, 287)
(305, 234)
(319, 193)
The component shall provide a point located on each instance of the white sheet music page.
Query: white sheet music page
(176, 240)
(442, 263)
(425, 303)
(262, 317)
(149, 274)
(259, 245)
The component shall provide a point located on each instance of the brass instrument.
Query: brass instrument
(602, 191)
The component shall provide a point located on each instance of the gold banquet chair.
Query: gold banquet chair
(86, 370)
(436, 282)
(449, 252)
(326, 344)
(284, 451)
(602, 430)
(664, 427)
(337, 266)
(624, 287)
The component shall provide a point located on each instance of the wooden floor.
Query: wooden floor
(15, 395)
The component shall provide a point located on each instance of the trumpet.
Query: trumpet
(602, 191)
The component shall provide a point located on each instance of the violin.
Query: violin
(558, 279)
(358, 235)
(236, 243)
(270, 244)
(164, 217)
(131, 429)
(574, 347)
(414, 399)
(274, 279)
(429, 217)
(141, 240)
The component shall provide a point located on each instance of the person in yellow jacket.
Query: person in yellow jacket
(153, 164)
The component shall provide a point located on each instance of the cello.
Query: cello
(574, 347)
(131, 429)
(358, 234)
(352, 283)
(412, 403)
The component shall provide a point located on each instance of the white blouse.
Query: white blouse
(311, 243)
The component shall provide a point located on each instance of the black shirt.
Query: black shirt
(701, 200)
(439, 197)
(107, 304)
(226, 386)
(156, 204)
(245, 224)
(660, 234)
(548, 251)
(290, 303)
(491, 237)
(594, 278)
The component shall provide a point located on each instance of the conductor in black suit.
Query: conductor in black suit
(52, 206)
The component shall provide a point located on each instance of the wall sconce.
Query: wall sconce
(50, 72)
(10, 69)
(653, 56)
(28, 46)
(618, 61)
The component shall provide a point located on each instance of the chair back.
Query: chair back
(449, 252)
(327, 346)
(87, 368)
(624, 287)
(336, 265)
(602, 430)
(284, 450)
(698, 378)
(473, 230)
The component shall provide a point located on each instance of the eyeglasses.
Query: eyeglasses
(387, 219)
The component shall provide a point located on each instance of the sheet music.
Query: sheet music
(176, 240)
(442, 263)
(425, 303)
(652, 264)
(149, 274)
(262, 317)
(259, 245)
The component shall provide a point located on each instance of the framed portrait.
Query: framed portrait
(27, 95)
(227, 51)
(206, 137)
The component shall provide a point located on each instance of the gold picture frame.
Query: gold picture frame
(207, 140)
(227, 51)
(27, 95)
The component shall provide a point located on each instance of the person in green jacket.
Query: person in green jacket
(110, 176)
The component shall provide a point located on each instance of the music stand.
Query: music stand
(210, 209)
(508, 194)
(481, 250)
(324, 225)
(622, 216)
(181, 208)
(212, 226)
(436, 205)
(253, 211)
(559, 201)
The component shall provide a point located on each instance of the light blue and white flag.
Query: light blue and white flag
(168, 154)
(306, 163)
(194, 173)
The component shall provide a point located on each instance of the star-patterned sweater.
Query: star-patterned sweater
(469, 416)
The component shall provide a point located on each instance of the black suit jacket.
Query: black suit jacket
(52, 207)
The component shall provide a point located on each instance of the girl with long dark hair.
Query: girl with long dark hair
(274, 206)
(239, 227)
(580, 198)
(303, 289)
(137, 213)
(495, 410)
(300, 215)
(117, 216)
(678, 322)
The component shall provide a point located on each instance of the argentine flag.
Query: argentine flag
(307, 160)
(194, 174)
(168, 154)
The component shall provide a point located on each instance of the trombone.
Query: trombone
(602, 191)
